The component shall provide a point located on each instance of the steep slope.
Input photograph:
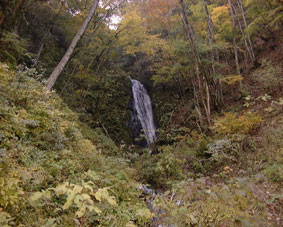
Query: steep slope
(50, 174)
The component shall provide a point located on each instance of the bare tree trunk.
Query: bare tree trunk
(234, 37)
(214, 54)
(210, 30)
(210, 34)
(190, 35)
(196, 102)
(245, 40)
(246, 26)
(59, 68)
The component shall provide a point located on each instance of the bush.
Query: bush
(231, 124)
(10, 192)
(13, 48)
(223, 149)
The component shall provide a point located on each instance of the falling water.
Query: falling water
(143, 108)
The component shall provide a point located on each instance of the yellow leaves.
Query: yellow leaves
(219, 11)
(92, 175)
(222, 21)
(6, 76)
(145, 213)
(81, 212)
(158, 13)
(35, 196)
(69, 201)
(232, 124)
(231, 80)
(83, 202)
(102, 194)
(10, 192)
(85, 145)
(62, 189)
(83, 209)
(130, 224)
(5, 219)
(80, 196)
(40, 195)
(99, 194)
(136, 37)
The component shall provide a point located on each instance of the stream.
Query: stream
(153, 194)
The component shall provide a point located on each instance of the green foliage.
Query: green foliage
(64, 176)
(13, 48)
(203, 204)
(103, 105)
(162, 169)
(80, 196)
(266, 16)
(169, 166)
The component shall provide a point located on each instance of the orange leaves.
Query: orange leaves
(158, 12)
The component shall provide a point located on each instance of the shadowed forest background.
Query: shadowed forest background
(213, 69)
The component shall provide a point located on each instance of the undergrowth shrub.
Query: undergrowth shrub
(232, 80)
(169, 165)
(223, 150)
(13, 48)
(6, 220)
(201, 203)
(162, 169)
(10, 192)
(230, 123)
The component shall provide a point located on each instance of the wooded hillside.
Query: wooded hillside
(68, 153)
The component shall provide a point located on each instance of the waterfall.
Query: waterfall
(143, 110)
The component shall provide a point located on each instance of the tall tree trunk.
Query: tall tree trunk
(214, 54)
(210, 30)
(59, 68)
(246, 26)
(234, 37)
(190, 35)
(244, 38)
